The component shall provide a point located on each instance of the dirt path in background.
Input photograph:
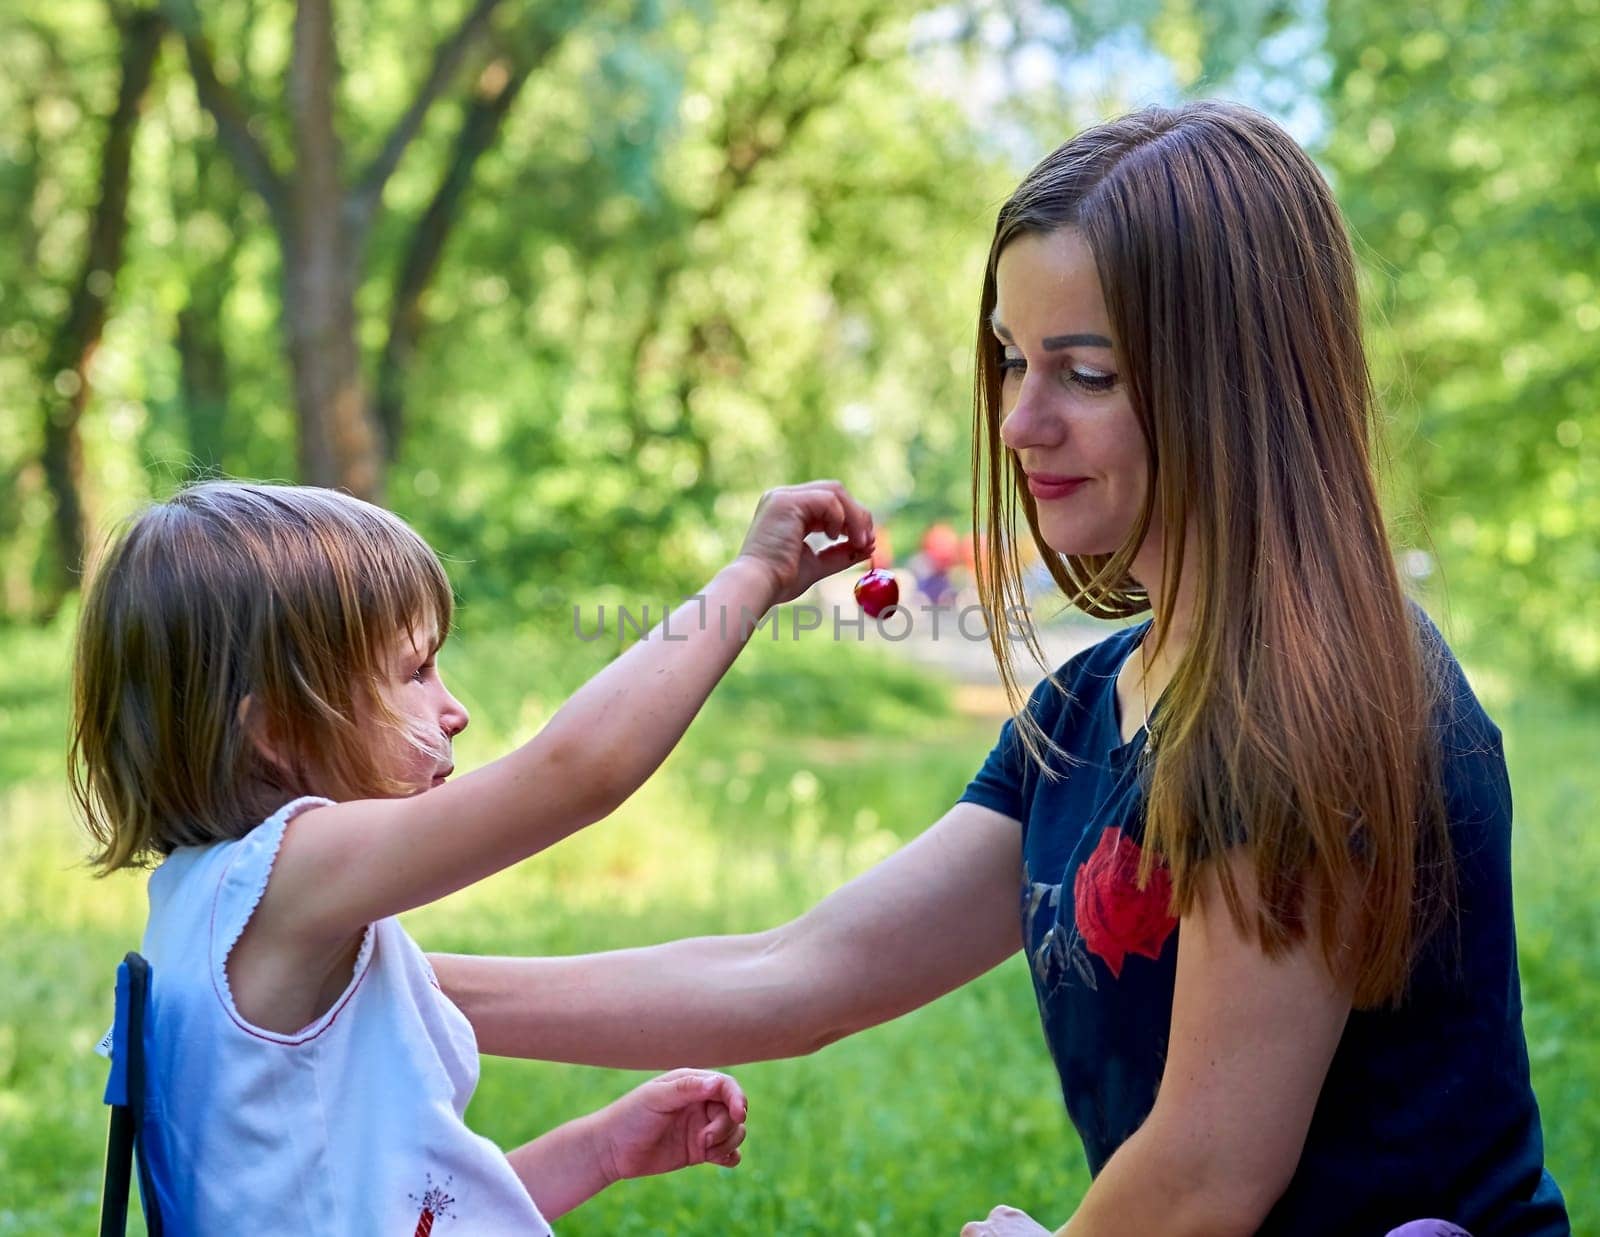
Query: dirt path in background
(941, 644)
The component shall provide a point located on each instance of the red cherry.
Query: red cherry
(876, 592)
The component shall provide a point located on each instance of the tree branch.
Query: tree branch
(743, 156)
(744, 152)
(232, 117)
(446, 61)
(493, 95)
(67, 362)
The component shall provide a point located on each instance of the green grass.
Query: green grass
(812, 762)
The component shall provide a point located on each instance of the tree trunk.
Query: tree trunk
(66, 375)
(338, 446)
(338, 443)
(322, 225)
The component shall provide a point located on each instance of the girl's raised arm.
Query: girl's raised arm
(344, 865)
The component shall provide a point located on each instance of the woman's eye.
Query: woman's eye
(1090, 381)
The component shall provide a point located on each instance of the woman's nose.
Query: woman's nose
(1029, 423)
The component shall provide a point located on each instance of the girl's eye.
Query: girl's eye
(421, 672)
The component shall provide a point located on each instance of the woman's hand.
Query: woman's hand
(787, 515)
(686, 1117)
(1005, 1221)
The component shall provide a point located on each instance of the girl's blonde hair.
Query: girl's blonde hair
(1300, 718)
(233, 621)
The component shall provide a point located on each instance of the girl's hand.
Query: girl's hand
(1005, 1222)
(783, 519)
(687, 1117)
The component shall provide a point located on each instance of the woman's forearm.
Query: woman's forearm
(718, 1000)
(1169, 1182)
(935, 914)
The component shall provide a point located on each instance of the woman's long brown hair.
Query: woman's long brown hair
(1299, 719)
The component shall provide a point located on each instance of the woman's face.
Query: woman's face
(1063, 402)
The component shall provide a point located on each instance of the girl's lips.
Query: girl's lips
(1042, 485)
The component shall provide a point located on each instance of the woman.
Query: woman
(1261, 839)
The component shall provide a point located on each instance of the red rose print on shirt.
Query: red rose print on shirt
(1114, 916)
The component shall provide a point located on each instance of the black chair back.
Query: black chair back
(125, 1093)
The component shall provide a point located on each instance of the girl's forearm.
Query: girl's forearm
(595, 752)
(348, 864)
(619, 726)
(562, 1168)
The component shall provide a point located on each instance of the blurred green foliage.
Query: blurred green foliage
(719, 246)
(715, 248)
(1466, 153)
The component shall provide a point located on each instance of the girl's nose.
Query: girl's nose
(455, 717)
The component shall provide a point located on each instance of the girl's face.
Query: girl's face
(433, 717)
(1064, 405)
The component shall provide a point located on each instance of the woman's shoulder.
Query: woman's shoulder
(1088, 671)
(1066, 697)
(1458, 715)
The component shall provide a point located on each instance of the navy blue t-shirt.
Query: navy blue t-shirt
(1427, 1110)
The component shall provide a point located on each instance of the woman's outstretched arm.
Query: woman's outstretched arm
(937, 913)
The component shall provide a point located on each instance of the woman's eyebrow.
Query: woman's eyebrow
(1052, 343)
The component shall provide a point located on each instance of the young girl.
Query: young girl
(1258, 844)
(258, 707)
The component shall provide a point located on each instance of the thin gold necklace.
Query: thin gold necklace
(1144, 691)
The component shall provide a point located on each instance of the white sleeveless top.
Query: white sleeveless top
(353, 1124)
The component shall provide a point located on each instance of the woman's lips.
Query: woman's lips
(1045, 486)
